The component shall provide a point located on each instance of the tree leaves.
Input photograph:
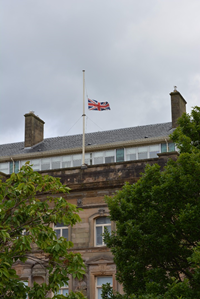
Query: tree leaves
(155, 245)
(29, 207)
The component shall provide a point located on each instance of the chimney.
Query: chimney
(34, 129)
(178, 106)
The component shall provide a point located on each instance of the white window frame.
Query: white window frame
(103, 225)
(89, 156)
(65, 287)
(98, 287)
(61, 230)
(137, 151)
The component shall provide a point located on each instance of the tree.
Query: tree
(187, 135)
(156, 243)
(28, 207)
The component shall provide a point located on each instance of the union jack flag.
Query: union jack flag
(98, 106)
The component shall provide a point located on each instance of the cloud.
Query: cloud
(133, 52)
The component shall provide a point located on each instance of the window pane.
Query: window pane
(131, 150)
(98, 158)
(104, 280)
(36, 164)
(4, 167)
(110, 156)
(109, 159)
(108, 228)
(171, 147)
(109, 153)
(130, 154)
(153, 150)
(103, 220)
(66, 161)
(153, 154)
(16, 167)
(45, 164)
(65, 233)
(142, 155)
(22, 163)
(100, 281)
(99, 293)
(11, 167)
(77, 160)
(65, 291)
(59, 225)
(57, 231)
(87, 159)
(120, 155)
(99, 235)
(163, 148)
(142, 149)
(55, 162)
(142, 152)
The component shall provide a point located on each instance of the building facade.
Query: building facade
(112, 158)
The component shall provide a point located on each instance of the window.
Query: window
(55, 162)
(100, 224)
(119, 155)
(142, 152)
(98, 158)
(87, 158)
(4, 167)
(171, 147)
(77, 160)
(110, 156)
(61, 230)
(45, 163)
(153, 150)
(36, 164)
(16, 167)
(63, 290)
(66, 161)
(102, 280)
(131, 154)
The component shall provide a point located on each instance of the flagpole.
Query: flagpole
(83, 145)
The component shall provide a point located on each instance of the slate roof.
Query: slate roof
(97, 138)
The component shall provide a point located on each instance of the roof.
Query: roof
(97, 138)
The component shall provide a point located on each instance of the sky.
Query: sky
(133, 53)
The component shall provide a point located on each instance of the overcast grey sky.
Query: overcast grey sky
(133, 53)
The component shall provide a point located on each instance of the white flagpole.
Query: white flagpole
(83, 146)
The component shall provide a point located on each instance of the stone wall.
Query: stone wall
(88, 188)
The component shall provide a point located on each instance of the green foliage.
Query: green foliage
(187, 135)
(29, 204)
(155, 245)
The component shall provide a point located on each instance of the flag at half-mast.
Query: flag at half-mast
(98, 106)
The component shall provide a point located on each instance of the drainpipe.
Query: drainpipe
(167, 145)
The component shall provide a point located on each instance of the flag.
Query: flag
(98, 106)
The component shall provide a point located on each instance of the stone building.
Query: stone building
(112, 158)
